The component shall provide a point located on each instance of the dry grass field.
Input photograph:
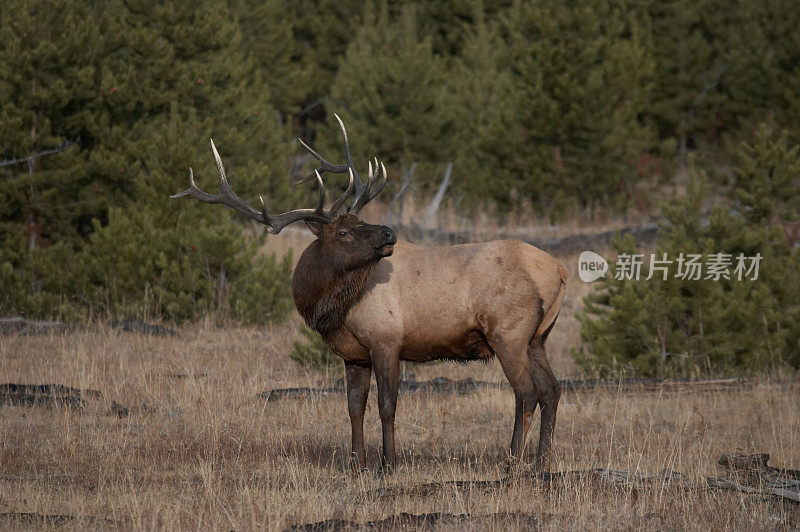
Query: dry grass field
(198, 451)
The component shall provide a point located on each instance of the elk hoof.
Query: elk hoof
(356, 468)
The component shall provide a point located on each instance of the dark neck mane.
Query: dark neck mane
(324, 296)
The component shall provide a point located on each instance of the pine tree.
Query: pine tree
(767, 179)
(53, 122)
(582, 80)
(389, 85)
(448, 22)
(171, 76)
(685, 326)
(185, 80)
(688, 41)
(269, 37)
(49, 102)
(762, 51)
(323, 30)
(480, 89)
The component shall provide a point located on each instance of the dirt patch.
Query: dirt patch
(744, 473)
(438, 385)
(633, 385)
(444, 385)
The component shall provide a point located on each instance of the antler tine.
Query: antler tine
(321, 201)
(325, 166)
(362, 192)
(226, 196)
(371, 189)
(359, 185)
(339, 202)
(377, 190)
(372, 176)
(346, 142)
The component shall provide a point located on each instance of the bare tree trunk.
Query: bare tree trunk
(433, 206)
(399, 198)
(32, 223)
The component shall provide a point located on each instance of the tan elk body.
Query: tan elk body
(376, 301)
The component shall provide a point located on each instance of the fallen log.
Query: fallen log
(138, 326)
(755, 463)
(21, 326)
(620, 478)
(44, 395)
(18, 325)
(437, 385)
(750, 473)
(300, 392)
(426, 521)
(37, 520)
(790, 492)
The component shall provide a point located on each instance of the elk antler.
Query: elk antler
(364, 192)
(274, 222)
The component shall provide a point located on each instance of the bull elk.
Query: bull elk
(377, 301)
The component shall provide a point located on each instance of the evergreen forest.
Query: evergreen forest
(578, 106)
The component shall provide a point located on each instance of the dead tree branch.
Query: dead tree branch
(52, 151)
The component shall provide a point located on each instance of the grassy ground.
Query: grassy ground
(203, 453)
(199, 451)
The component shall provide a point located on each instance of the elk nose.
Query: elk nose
(389, 235)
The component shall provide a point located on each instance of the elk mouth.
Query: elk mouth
(386, 251)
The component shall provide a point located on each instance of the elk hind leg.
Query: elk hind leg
(543, 377)
(515, 364)
(549, 395)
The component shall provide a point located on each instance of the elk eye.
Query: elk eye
(342, 234)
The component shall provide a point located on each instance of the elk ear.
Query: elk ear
(315, 227)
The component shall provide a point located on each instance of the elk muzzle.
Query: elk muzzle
(388, 240)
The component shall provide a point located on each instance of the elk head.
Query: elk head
(346, 249)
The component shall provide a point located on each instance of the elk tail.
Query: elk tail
(551, 315)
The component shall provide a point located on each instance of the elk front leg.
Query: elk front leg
(387, 375)
(357, 392)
